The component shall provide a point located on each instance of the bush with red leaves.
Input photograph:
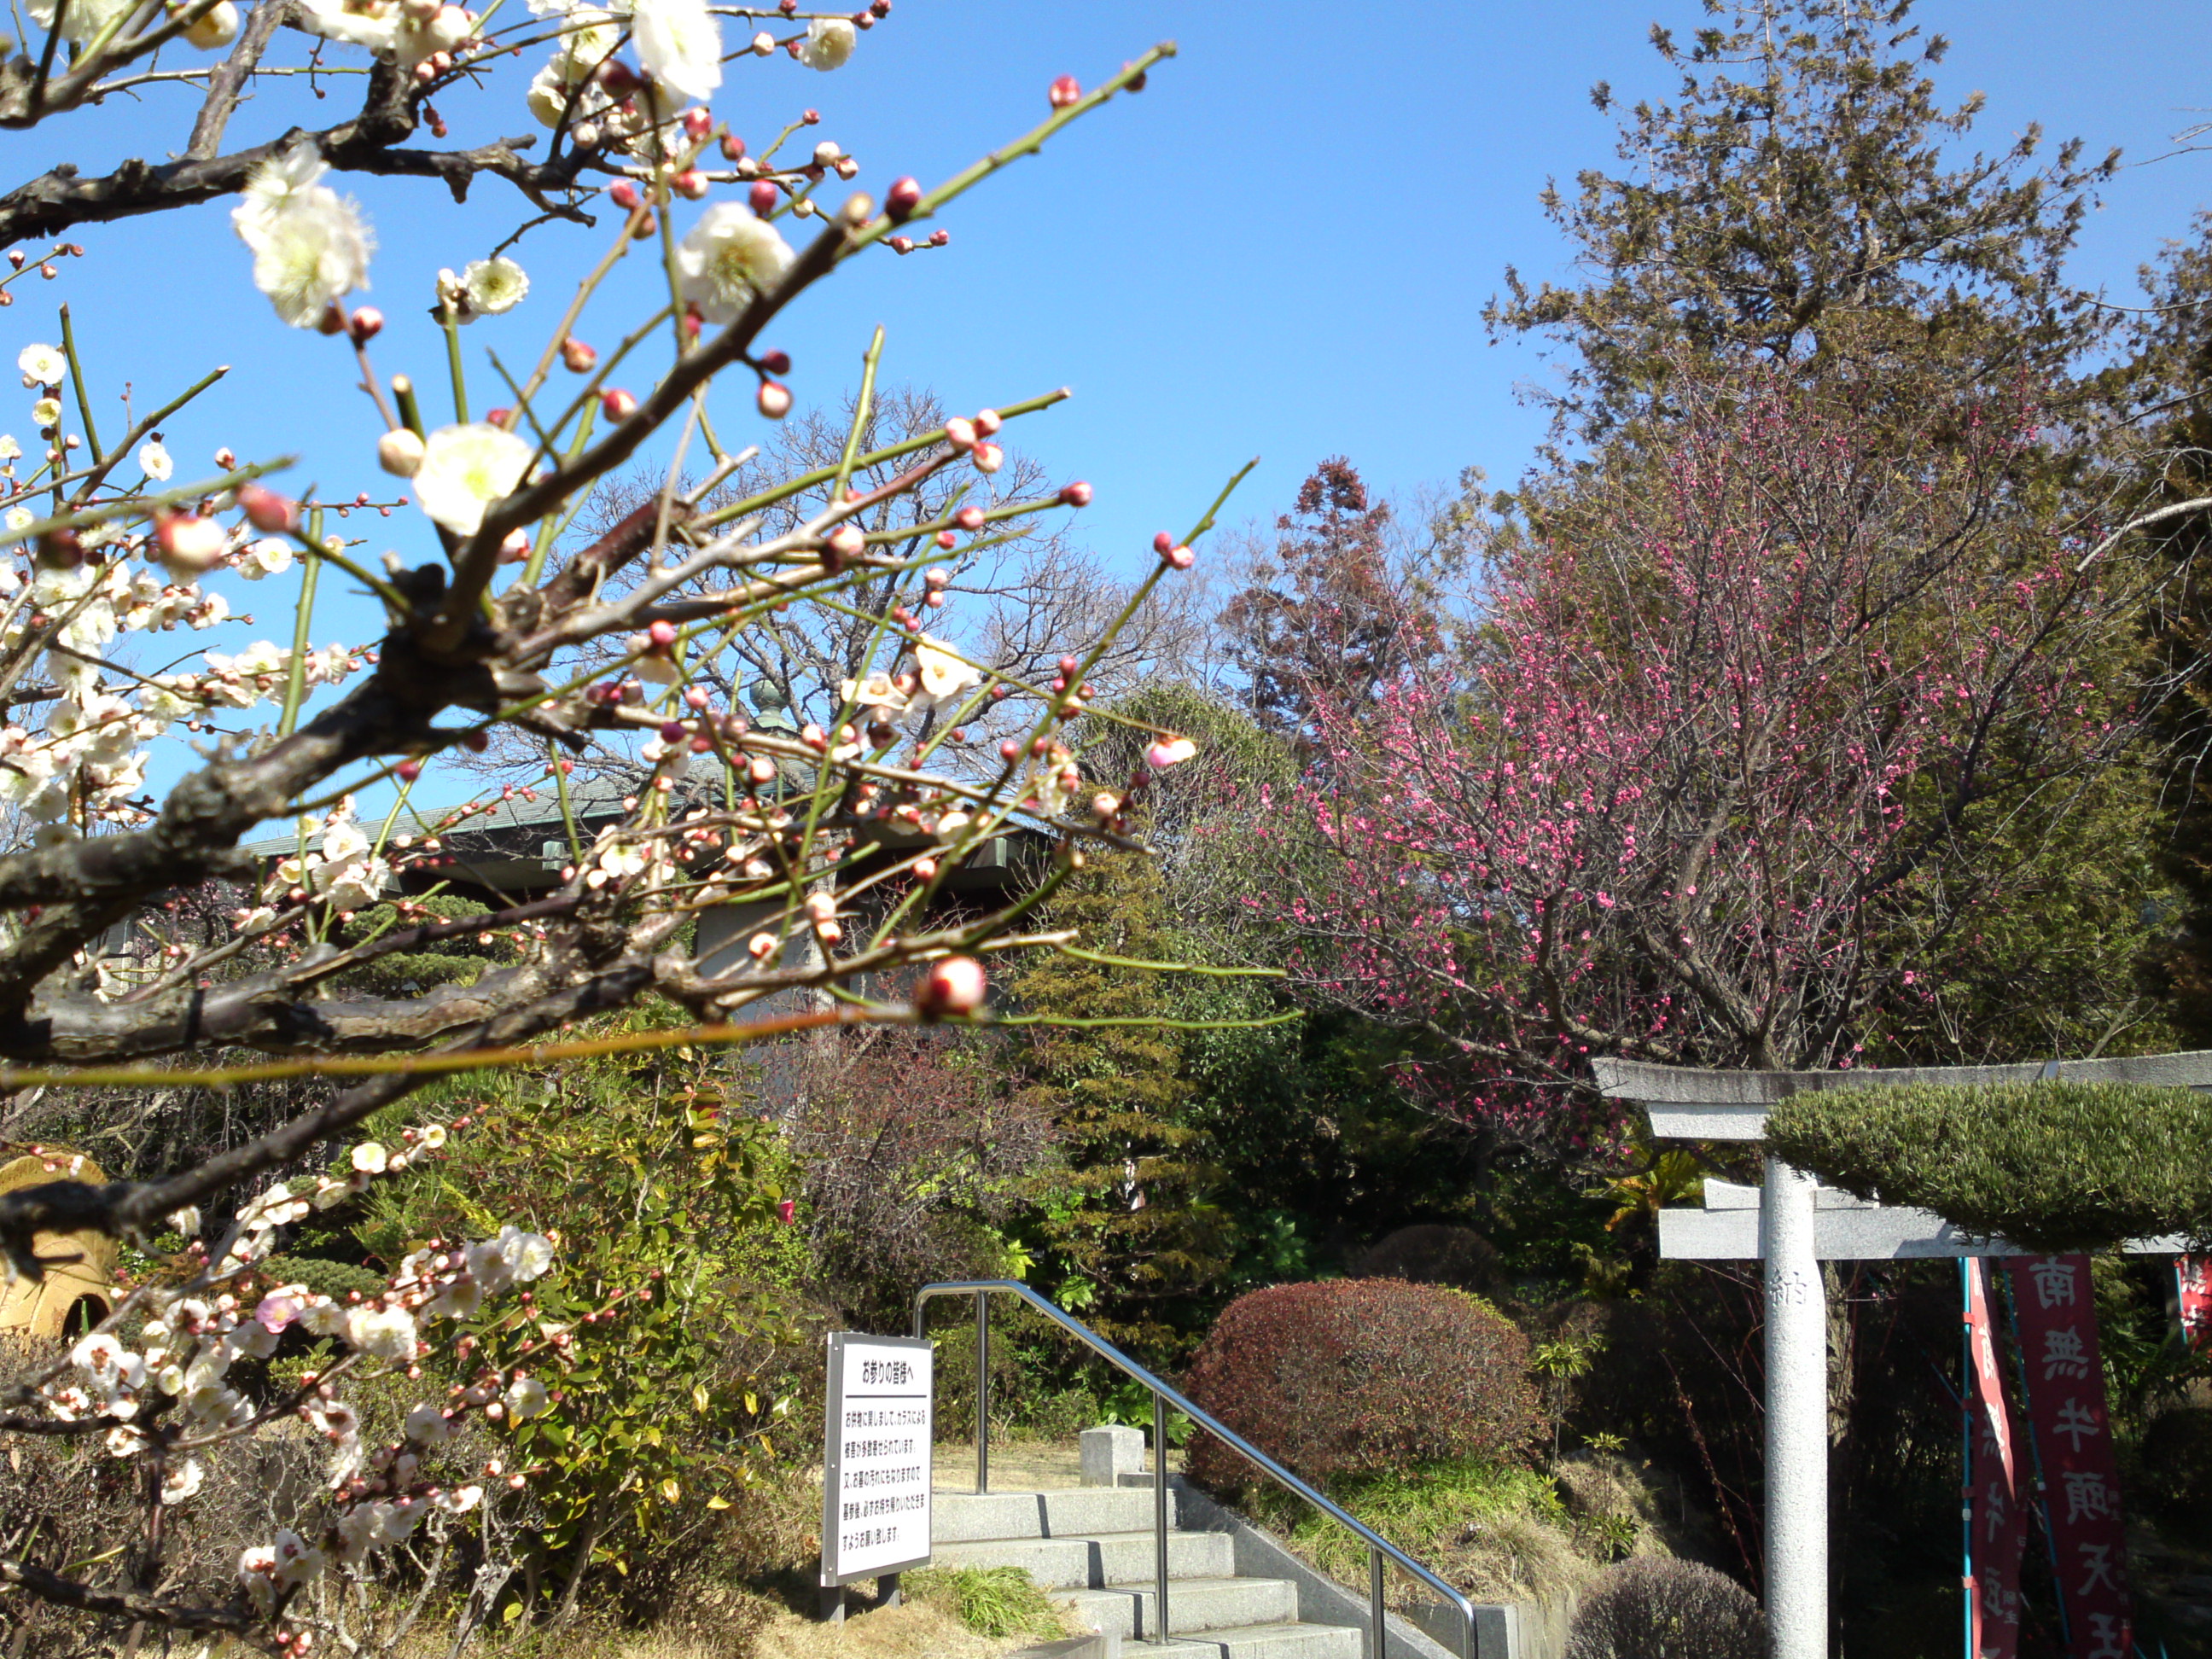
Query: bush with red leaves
(1358, 1375)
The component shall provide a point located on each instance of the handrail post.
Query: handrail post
(1375, 1601)
(1159, 1516)
(982, 1392)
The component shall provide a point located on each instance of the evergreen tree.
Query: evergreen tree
(1796, 200)
(1127, 1225)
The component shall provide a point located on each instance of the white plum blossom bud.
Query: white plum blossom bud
(399, 452)
(189, 545)
(214, 28)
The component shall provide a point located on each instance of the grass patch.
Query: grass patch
(1498, 1532)
(989, 1600)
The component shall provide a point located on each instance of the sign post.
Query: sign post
(877, 1434)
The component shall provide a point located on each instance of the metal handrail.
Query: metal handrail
(1378, 1547)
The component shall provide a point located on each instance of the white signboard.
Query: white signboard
(875, 1457)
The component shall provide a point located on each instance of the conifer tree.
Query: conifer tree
(1126, 1223)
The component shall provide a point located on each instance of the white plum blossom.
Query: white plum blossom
(382, 1333)
(42, 365)
(310, 245)
(946, 676)
(526, 1398)
(10, 449)
(466, 468)
(270, 556)
(154, 461)
(486, 287)
(729, 258)
(680, 44)
(427, 1425)
(182, 1480)
(388, 27)
(828, 43)
(214, 28)
(47, 412)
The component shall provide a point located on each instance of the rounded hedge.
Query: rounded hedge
(2048, 1166)
(1357, 1375)
(1657, 1607)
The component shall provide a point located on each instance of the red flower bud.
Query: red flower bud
(1162, 541)
(671, 731)
(408, 770)
(969, 518)
(623, 194)
(577, 356)
(365, 324)
(775, 362)
(1065, 91)
(618, 78)
(988, 421)
(946, 539)
(902, 198)
(617, 404)
(690, 183)
(1077, 494)
(763, 198)
(267, 510)
(698, 122)
(734, 148)
(662, 634)
(811, 117)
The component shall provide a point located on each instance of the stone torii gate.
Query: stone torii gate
(1791, 1223)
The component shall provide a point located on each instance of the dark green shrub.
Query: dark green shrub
(2053, 1166)
(2176, 1480)
(1657, 1607)
(1358, 1375)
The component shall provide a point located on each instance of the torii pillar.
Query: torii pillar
(1792, 1224)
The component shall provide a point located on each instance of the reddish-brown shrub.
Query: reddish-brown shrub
(1360, 1374)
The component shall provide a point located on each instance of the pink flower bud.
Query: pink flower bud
(969, 518)
(618, 78)
(900, 245)
(692, 183)
(988, 421)
(408, 770)
(954, 986)
(267, 510)
(224, 459)
(844, 542)
(988, 457)
(662, 634)
(960, 433)
(671, 731)
(763, 198)
(902, 198)
(785, 1210)
(734, 148)
(1065, 91)
(1180, 558)
(775, 362)
(939, 238)
(516, 548)
(1162, 542)
(617, 404)
(365, 324)
(623, 194)
(946, 539)
(577, 356)
(1077, 494)
(811, 117)
(698, 122)
(763, 43)
(774, 399)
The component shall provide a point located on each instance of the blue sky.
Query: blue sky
(1280, 248)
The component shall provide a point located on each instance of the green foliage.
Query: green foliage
(995, 1602)
(1805, 191)
(1498, 1530)
(1126, 1231)
(1354, 1376)
(405, 972)
(2055, 1165)
(666, 1331)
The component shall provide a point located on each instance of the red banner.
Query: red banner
(2193, 1275)
(2065, 1377)
(1999, 1519)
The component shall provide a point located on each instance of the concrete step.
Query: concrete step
(1273, 1640)
(1119, 1558)
(1194, 1604)
(965, 1517)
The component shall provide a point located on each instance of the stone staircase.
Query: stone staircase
(1091, 1548)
